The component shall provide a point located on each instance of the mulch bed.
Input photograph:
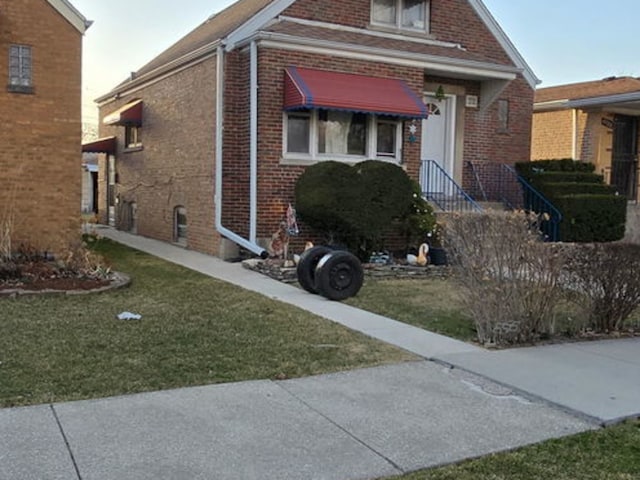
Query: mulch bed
(44, 276)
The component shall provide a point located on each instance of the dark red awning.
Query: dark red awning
(102, 145)
(308, 88)
(129, 114)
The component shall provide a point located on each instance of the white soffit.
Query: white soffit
(73, 16)
(502, 38)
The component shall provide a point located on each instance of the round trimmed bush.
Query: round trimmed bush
(353, 205)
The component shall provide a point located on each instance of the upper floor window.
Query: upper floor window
(20, 69)
(401, 14)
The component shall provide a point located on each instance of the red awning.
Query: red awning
(307, 88)
(129, 114)
(102, 145)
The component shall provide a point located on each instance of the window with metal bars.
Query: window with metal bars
(20, 69)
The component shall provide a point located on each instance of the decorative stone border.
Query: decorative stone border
(118, 280)
(275, 270)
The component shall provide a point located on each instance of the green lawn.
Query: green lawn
(435, 304)
(195, 330)
(429, 303)
(609, 454)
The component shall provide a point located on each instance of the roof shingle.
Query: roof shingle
(598, 88)
(214, 28)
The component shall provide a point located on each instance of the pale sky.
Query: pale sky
(563, 41)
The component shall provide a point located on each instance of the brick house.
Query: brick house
(594, 122)
(203, 145)
(40, 157)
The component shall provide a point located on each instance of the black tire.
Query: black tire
(339, 275)
(306, 269)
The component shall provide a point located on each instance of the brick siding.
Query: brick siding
(40, 154)
(176, 166)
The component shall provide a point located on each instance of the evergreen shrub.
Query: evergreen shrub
(355, 205)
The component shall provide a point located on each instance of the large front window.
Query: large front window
(401, 14)
(342, 133)
(339, 135)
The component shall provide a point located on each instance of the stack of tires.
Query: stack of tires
(334, 274)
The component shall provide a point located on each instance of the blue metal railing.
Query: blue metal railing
(532, 200)
(439, 188)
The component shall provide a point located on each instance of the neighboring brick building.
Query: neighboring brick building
(206, 141)
(40, 157)
(593, 122)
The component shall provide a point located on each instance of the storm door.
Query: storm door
(624, 158)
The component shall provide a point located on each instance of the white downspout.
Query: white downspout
(248, 244)
(574, 139)
(253, 158)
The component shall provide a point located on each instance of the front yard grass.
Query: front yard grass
(435, 305)
(431, 303)
(609, 454)
(194, 330)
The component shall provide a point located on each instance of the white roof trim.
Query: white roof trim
(444, 65)
(274, 9)
(371, 33)
(605, 100)
(491, 23)
(73, 16)
(550, 105)
(257, 22)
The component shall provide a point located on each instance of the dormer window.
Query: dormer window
(401, 14)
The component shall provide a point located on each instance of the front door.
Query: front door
(624, 158)
(438, 135)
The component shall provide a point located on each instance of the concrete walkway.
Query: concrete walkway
(363, 424)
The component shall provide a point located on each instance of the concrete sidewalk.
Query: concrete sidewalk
(363, 424)
(599, 381)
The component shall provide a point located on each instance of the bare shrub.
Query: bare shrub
(508, 275)
(606, 278)
(79, 260)
(7, 220)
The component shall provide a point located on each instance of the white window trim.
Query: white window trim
(398, 24)
(313, 156)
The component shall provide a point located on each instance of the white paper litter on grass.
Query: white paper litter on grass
(129, 316)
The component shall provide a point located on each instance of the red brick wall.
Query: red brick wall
(40, 154)
(486, 141)
(450, 20)
(236, 143)
(456, 21)
(176, 166)
(354, 13)
(276, 187)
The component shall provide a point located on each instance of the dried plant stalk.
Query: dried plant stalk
(509, 277)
